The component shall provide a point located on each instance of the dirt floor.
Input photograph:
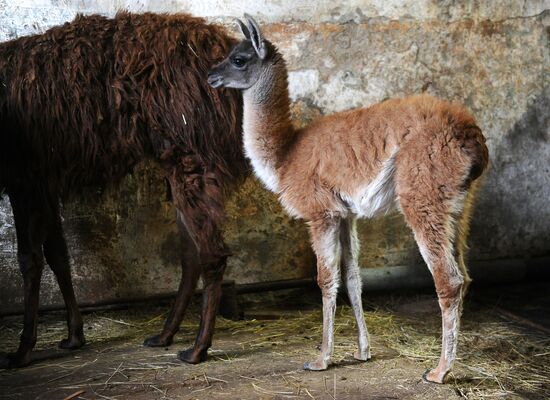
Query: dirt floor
(504, 352)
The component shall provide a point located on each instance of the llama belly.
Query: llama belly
(369, 203)
(376, 197)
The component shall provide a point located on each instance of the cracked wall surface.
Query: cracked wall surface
(492, 56)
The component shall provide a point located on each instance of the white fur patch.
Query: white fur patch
(264, 171)
(377, 197)
(255, 146)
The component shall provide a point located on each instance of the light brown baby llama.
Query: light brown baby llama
(420, 155)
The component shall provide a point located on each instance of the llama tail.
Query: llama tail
(475, 147)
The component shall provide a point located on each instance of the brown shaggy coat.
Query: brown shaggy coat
(83, 103)
(435, 139)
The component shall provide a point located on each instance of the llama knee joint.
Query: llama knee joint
(327, 281)
(451, 289)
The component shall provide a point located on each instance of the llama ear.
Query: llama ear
(256, 37)
(244, 29)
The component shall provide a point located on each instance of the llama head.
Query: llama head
(245, 65)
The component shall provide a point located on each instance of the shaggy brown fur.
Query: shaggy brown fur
(346, 149)
(83, 103)
(419, 154)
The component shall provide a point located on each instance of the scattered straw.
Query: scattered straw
(495, 356)
(74, 395)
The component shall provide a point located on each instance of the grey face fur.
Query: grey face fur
(244, 65)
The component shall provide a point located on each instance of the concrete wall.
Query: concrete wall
(492, 56)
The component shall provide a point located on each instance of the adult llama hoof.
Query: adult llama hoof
(192, 356)
(72, 343)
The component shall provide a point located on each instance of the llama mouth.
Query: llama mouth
(215, 81)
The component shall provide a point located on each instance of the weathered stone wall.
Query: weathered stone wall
(492, 56)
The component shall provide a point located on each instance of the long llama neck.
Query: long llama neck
(267, 127)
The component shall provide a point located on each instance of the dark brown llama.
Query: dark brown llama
(80, 105)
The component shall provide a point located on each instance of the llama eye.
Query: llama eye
(238, 62)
